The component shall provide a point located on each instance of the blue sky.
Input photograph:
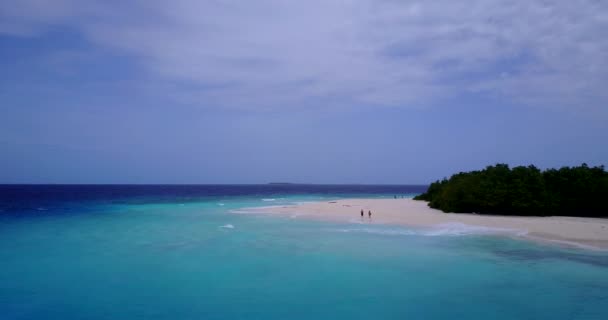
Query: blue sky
(317, 91)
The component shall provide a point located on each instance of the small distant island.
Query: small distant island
(524, 191)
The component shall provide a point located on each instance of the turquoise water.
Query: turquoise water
(200, 260)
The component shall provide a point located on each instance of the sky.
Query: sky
(317, 91)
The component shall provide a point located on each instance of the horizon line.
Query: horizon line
(212, 184)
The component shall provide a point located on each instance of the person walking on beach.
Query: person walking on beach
(369, 214)
(361, 213)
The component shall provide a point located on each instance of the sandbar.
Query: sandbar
(587, 232)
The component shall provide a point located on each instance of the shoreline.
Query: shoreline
(591, 233)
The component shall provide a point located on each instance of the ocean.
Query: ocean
(195, 252)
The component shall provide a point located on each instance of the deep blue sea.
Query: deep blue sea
(190, 252)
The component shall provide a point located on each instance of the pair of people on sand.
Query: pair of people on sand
(369, 213)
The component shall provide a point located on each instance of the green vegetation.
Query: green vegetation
(570, 191)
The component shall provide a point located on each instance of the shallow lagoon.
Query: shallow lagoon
(197, 259)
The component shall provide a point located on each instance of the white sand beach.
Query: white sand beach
(590, 232)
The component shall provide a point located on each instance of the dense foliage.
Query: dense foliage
(569, 191)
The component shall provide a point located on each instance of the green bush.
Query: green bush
(571, 191)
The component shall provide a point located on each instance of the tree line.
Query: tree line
(528, 191)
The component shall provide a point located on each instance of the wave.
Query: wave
(568, 244)
(456, 228)
(299, 203)
(227, 226)
(446, 229)
(269, 199)
(244, 211)
(392, 232)
(254, 209)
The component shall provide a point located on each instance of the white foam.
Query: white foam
(356, 221)
(220, 204)
(446, 229)
(270, 199)
(392, 232)
(254, 209)
(569, 244)
(240, 211)
(459, 229)
(227, 226)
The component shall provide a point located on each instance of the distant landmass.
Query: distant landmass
(569, 191)
(282, 183)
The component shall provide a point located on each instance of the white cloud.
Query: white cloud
(274, 53)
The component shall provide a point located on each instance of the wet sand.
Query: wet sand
(592, 232)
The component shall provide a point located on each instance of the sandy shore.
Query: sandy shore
(566, 230)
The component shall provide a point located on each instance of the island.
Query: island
(566, 206)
